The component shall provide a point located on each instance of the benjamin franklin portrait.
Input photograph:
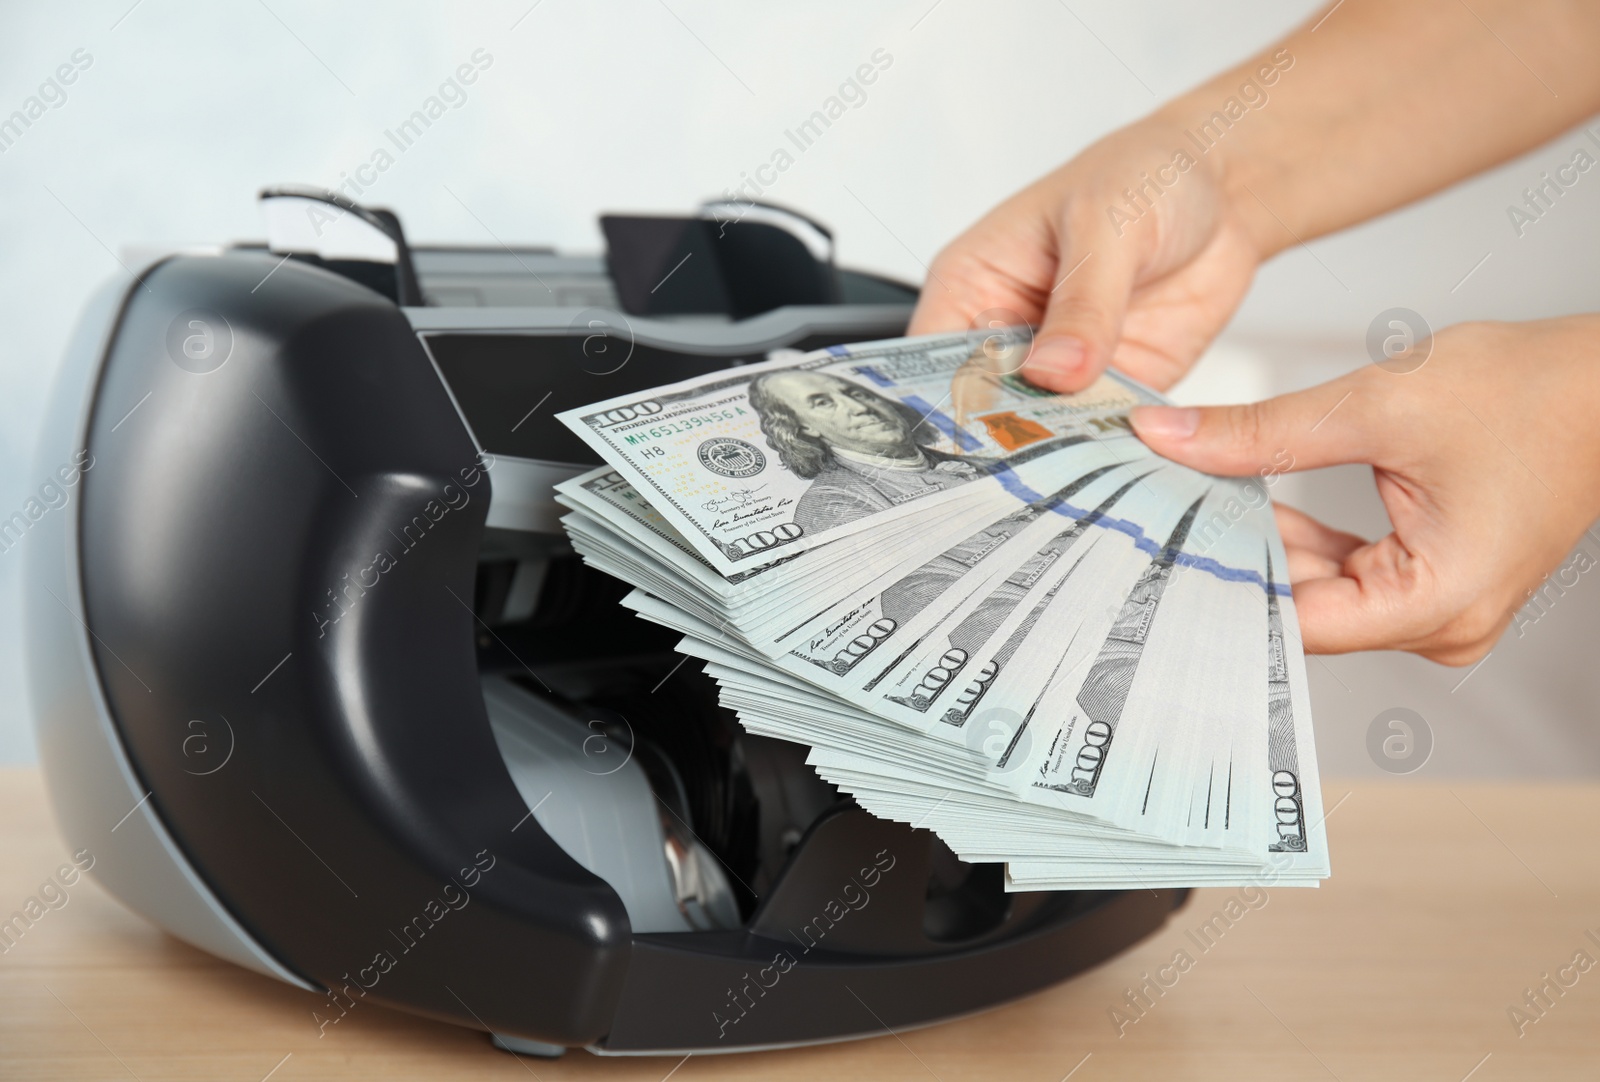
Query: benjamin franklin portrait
(862, 452)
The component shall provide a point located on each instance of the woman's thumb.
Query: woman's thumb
(1082, 320)
(1322, 426)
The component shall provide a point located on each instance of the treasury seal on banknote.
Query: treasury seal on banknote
(729, 457)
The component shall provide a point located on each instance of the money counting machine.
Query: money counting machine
(322, 688)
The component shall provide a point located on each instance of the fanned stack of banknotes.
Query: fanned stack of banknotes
(989, 611)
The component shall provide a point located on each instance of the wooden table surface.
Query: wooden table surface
(1447, 903)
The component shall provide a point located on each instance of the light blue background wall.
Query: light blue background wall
(189, 108)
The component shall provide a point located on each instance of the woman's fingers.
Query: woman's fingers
(1380, 599)
(1305, 564)
(1354, 595)
(972, 277)
(1300, 530)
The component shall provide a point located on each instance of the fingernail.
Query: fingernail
(1058, 356)
(1165, 422)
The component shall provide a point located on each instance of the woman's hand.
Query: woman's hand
(1106, 283)
(1487, 459)
(1136, 252)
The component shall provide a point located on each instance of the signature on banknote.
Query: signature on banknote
(734, 500)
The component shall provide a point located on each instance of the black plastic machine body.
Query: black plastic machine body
(323, 689)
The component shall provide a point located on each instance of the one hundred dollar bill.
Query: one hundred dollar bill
(988, 611)
(772, 459)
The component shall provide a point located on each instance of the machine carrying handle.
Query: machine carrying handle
(297, 225)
